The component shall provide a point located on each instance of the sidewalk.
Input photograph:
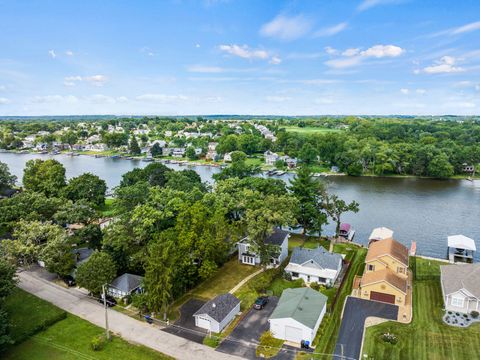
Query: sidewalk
(132, 330)
(241, 283)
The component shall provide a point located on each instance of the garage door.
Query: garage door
(293, 334)
(378, 296)
(203, 323)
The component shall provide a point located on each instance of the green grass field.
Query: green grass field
(107, 210)
(427, 337)
(59, 335)
(308, 129)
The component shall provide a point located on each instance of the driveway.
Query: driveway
(185, 325)
(245, 337)
(132, 330)
(356, 310)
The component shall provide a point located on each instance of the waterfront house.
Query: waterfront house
(278, 239)
(468, 168)
(166, 151)
(270, 157)
(461, 249)
(461, 287)
(298, 315)
(380, 233)
(387, 254)
(314, 265)
(217, 313)
(125, 285)
(178, 152)
(227, 157)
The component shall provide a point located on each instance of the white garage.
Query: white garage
(298, 315)
(217, 313)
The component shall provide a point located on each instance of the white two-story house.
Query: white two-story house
(277, 238)
(315, 265)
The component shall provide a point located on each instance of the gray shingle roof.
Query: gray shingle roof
(277, 237)
(127, 282)
(320, 255)
(219, 307)
(302, 304)
(464, 276)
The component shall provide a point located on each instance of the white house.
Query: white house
(461, 287)
(124, 285)
(279, 239)
(298, 315)
(217, 313)
(178, 152)
(315, 265)
(227, 157)
(270, 157)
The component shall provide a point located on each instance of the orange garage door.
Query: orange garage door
(378, 296)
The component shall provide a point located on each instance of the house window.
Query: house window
(294, 274)
(371, 267)
(308, 278)
(457, 301)
(400, 270)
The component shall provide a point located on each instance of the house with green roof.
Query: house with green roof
(298, 315)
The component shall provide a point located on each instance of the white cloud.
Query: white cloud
(330, 50)
(443, 66)
(278, 98)
(460, 104)
(286, 28)
(421, 91)
(324, 101)
(161, 98)
(69, 53)
(244, 51)
(367, 4)
(54, 99)
(102, 99)
(405, 91)
(197, 45)
(354, 56)
(3, 88)
(466, 28)
(332, 30)
(95, 80)
(52, 54)
(122, 99)
(205, 69)
(275, 60)
(4, 101)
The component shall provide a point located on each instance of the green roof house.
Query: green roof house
(298, 315)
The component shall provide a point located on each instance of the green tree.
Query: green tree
(69, 138)
(440, 167)
(58, 257)
(336, 207)
(190, 153)
(86, 187)
(134, 148)
(45, 176)
(156, 150)
(96, 272)
(7, 180)
(80, 212)
(238, 168)
(8, 279)
(307, 154)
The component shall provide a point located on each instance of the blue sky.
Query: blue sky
(240, 57)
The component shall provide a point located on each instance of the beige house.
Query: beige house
(461, 287)
(387, 254)
(385, 286)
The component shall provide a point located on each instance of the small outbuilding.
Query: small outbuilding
(461, 248)
(298, 315)
(380, 233)
(125, 285)
(217, 313)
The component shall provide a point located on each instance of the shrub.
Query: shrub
(315, 286)
(98, 342)
(269, 346)
(474, 314)
(389, 338)
(211, 341)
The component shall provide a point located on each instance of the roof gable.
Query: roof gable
(320, 256)
(388, 247)
(127, 282)
(461, 276)
(219, 307)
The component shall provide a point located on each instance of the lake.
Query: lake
(421, 210)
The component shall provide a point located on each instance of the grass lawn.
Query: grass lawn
(107, 209)
(308, 242)
(229, 275)
(28, 314)
(70, 339)
(426, 269)
(308, 129)
(427, 337)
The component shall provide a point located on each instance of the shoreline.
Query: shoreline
(184, 161)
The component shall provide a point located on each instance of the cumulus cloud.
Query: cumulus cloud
(95, 80)
(245, 52)
(331, 51)
(447, 64)
(354, 56)
(274, 98)
(4, 101)
(69, 53)
(275, 60)
(52, 54)
(161, 98)
(286, 28)
(332, 30)
(54, 99)
(405, 91)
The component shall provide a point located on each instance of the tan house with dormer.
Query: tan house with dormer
(387, 254)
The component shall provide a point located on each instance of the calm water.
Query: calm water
(425, 211)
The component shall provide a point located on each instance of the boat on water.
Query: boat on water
(149, 159)
(346, 231)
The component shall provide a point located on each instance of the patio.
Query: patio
(458, 319)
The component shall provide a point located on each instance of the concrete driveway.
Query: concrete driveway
(185, 325)
(244, 338)
(349, 341)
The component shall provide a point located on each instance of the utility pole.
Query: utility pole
(106, 314)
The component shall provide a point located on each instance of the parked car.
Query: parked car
(111, 302)
(69, 280)
(260, 302)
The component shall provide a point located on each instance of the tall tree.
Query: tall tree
(8, 281)
(7, 180)
(238, 168)
(97, 271)
(156, 150)
(45, 176)
(58, 257)
(86, 187)
(336, 207)
(134, 147)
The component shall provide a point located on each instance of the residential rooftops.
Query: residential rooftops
(127, 282)
(371, 277)
(319, 255)
(464, 276)
(461, 242)
(388, 247)
(302, 304)
(381, 233)
(277, 237)
(219, 307)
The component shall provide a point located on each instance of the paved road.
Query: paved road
(244, 338)
(132, 330)
(349, 341)
(185, 325)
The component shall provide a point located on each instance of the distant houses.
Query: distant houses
(278, 239)
(270, 157)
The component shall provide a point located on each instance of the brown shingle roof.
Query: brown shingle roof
(388, 247)
(385, 275)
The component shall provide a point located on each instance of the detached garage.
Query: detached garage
(217, 313)
(298, 315)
